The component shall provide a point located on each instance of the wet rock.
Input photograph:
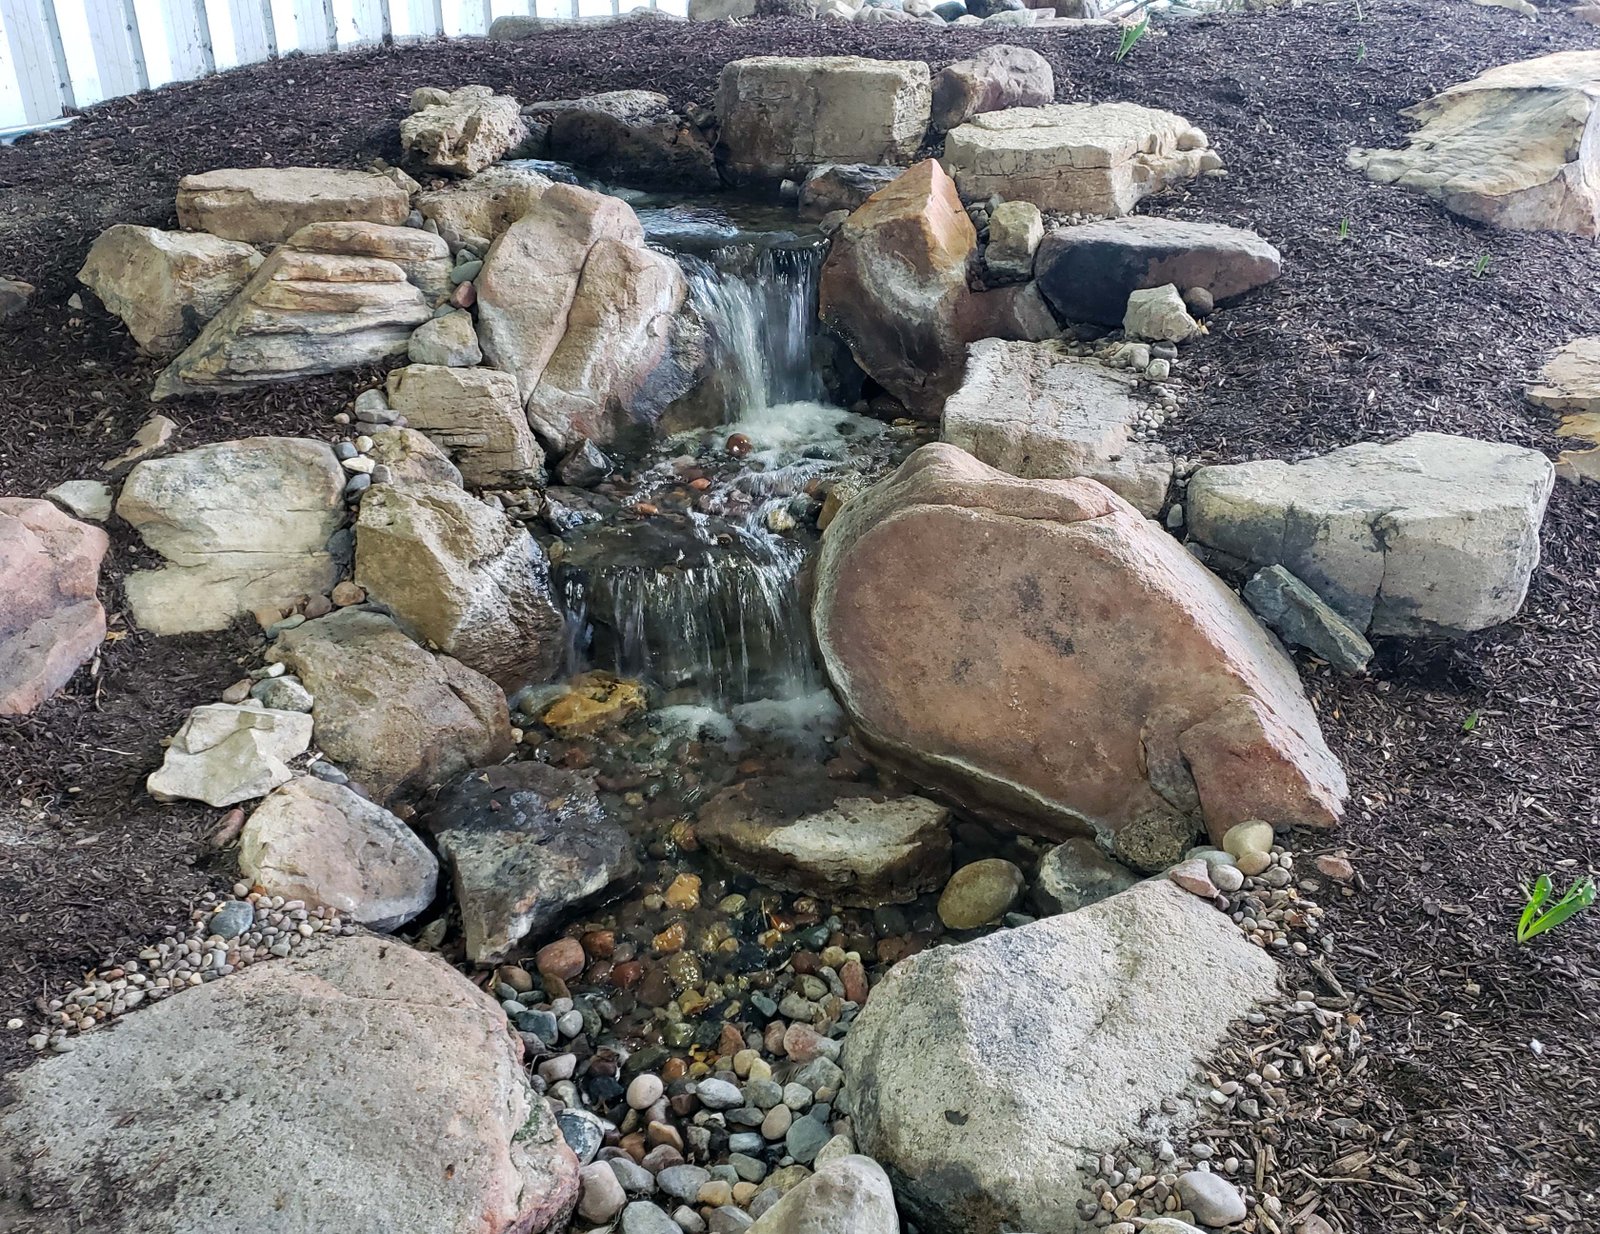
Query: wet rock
(321, 843)
(1088, 158)
(584, 466)
(165, 285)
(1035, 411)
(783, 115)
(449, 340)
(593, 703)
(1015, 231)
(979, 893)
(1088, 272)
(1430, 535)
(894, 286)
(458, 574)
(1075, 875)
(631, 137)
(223, 754)
(243, 525)
(850, 1195)
(1076, 587)
(1512, 147)
(1158, 314)
(397, 1059)
(1300, 617)
(476, 211)
(843, 186)
(475, 414)
(848, 849)
(392, 715)
(50, 618)
(267, 205)
(943, 1070)
(528, 846)
(998, 77)
(465, 134)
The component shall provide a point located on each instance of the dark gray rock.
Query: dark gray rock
(1302, 618)
(584, 465)
(842, 186)
(1076, 874)
(630, 137)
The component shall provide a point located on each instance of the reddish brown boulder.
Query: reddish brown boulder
(1040, 653)
(50, 620)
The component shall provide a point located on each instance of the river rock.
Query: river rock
(1430, 535)
(1570, 384)
(942, 1065)
(462, 576)
(849, 1195)
(165, 285)
(476, 211)
(223, 754)
(631, 137)
(1515, 147)
(783, 115)
(389, 713)
(475, 414)
(998, 77)
(396, 1059)
(528, 846)
(1076, 158)
(843, 186)
(1016, 229)
(50, 618)
(811, 835)
(1036, 411)
(1084, 619)
(465, 132)
(267, 205)
(894, 286)
(1075, 875)
(979, 893)
(243, 526)
(1088, 272)
(1301, 618)
(319, 842)
(304, 312)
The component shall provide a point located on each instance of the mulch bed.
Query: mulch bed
(1386, 321)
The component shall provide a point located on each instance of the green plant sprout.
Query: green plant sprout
(1471, 722)
(1537, 920)
(1344, 228)
(1361, 53)
(1480, 267)
(1130, 36)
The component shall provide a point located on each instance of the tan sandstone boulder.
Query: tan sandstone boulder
(465, 132)
(423, 256)
(477, 210)
(1516, 147)
(267, 205)
(998, 77)
(1570, 385)
(1040, 653)
(50, 618)
(165, 285)
(475, 415)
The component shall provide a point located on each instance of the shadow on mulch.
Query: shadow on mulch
(1391, 317)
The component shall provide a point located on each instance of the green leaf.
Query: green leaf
(1579, 897)
(1470, 723)
(1536, 899)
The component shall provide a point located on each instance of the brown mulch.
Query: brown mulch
(1385, 322)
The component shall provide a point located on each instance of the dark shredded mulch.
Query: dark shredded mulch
(1481, 1091)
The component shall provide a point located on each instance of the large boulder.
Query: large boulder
(528, 845)
(1430, 535)
(476, 211)
(423, 256)
(322, 843)
(165, 285)
(1035, 411)
(243, 526)
(462, 576)
(943, 1071)
(998, 77)
(783, 115)
(846, 846)
(376, 1070)
(267, 205)
(1516, 147)
(1042, 654)
(392, 715)
(463, 132)
(848, 1195)
(1088, 272)
(50, 618)
(476, 416)
(894, 286)
(308, 310)
(631, 137)
(223, 754)
(1077, 158)
(1570, 385)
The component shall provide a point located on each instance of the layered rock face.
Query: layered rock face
(243, 525)
(1430, 535)
(1515, 147)
(397, 1061)
(1094, 677)
(1098, 158)
(1570, 385)
(165, 285)
(464, 131)
(267, 205)
(942, 1073)
(50, 618)
(782, 116)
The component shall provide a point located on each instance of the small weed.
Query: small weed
(1361, 53)
(1537, 920)
(1344, 228)
(1470, 723)
(1481, 266)
(1130, 37)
